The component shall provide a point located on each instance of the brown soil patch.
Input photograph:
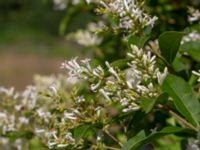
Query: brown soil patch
(17, 70)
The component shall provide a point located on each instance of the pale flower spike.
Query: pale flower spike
(131, 14)
(194, 15)
(139, 78)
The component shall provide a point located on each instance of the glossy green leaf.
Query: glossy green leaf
(133, 141)
(193, 49)
(169, 43)
(184, 98)
(138, 41)
(140, 139)
(80, 132)
(147, 104)
(121, 63)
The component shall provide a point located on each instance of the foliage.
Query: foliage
(128, 99)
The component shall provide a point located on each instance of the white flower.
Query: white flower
(39, 131)
(192, 36)
(124, 101)
(23, 120)
(8, 92)
(112, 71)
(98, 72)
(44, 115)
(86, 38)
(197, 74)
(162, 76)
(69, 137)
(52, 134)
(73, 67)
(70, 116)
(51, 144)
(3, 115)
(62, 145)
(105, 94)
(80, 99)
(94, 87)
(130, 13)
(53, 89)
(30, 97)
(194, 15)
(59, 4)
(91, 1)
(19, 107)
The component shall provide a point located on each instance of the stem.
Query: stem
(111, 148)
(163, 59)
(178, 117)
(114, 139)
(182, 120)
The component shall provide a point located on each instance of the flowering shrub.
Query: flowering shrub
(131, 101)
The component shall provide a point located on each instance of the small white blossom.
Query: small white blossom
(23, 120)
(59, 4)
(8, 92)
(94, 87)
(112, 71)
(30, 96)
(197, 74)
(70, 116)
(69, 137)
(39, 131)
(85, 38)
(194, 15)
(162, 76)
(105, 94)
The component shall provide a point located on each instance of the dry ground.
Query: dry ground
(17, 70)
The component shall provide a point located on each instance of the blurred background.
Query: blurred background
(30, 42)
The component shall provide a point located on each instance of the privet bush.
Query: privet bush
(143, 96)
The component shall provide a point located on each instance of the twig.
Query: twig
(111, 148)
(112, 137)
(178, 117)
(182, 120)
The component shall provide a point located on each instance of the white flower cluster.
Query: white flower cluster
(30, 110)
(126, 88)
(194, 15)
(62, 4)
(130, 13)
(192, 36)
(78, 71)
(59, 4)
(88, 37)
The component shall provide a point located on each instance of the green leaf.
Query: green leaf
(147, 104)
(138, 41)
(139, 140)
(184, 98)
(133, 141)
(36, 144)
(121, 63)
(80, 132)
(169, 43)
(193, 49)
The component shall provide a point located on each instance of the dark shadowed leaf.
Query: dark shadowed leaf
(138, 41)
(193, 49)
(80, 132)
(147, 104)
(169, 43)
(139, 140)
(184, 98)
